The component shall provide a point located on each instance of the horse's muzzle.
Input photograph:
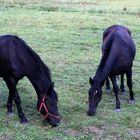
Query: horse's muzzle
(54, 122)
(91, 113)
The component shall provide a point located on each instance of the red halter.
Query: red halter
(45, 107)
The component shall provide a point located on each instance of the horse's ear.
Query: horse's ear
(90, 80)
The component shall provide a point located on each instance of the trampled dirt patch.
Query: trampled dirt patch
(72, 132)
(134, 132)
(92, 130)
(5, 137)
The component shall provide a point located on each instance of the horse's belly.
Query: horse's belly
(6, 69)
(117, 70)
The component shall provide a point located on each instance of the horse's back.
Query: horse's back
(14, 57)
(116, 28)
(123, 43)
(120, 37)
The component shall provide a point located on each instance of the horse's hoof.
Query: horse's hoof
(24, 121)
(25, 124)
(10, 114)
(131, 101)
(118, 110)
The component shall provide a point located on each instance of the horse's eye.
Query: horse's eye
(95, 92)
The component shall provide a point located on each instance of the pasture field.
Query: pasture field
(67, 35)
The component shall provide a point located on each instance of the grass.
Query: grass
(67, 35)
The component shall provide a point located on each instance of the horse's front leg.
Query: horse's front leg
(9, 105)
(13, 94)
(116, 90)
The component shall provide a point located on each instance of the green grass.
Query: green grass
(67, 35)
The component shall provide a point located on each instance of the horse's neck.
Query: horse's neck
(40, 83)
(105, 67)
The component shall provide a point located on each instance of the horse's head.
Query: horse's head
(95, 95)
(47, 105)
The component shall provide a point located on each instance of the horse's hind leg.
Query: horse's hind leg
(108, 89)
(116, 90)
(122, 84)
(13, 94)
(129, 84)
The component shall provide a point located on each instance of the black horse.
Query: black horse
(118, 55)
(17, 60)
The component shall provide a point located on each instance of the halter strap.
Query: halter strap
(45, 107)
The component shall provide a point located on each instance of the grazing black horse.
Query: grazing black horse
(17, 60)
(118, 55)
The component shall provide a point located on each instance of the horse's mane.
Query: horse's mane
(42, 67)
